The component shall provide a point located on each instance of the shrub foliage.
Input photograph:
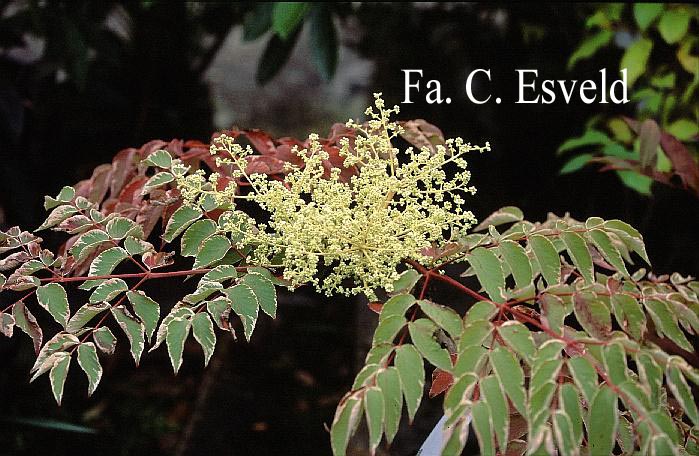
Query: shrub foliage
(564, 346)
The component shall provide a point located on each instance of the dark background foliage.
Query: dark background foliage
(112, 75)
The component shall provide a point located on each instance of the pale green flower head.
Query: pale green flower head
(348, 237)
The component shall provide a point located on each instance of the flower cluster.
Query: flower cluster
(349, 237)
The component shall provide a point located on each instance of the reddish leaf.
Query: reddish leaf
(264, 164)
(421, 133)
(376, 306)
(441, 381)
(123, 168)
(154, 260)
(131, 193)
(682, 161)
(261, 141)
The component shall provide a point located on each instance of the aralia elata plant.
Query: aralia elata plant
(562, 349)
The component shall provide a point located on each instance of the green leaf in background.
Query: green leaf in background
(324, 46)
(683, 129)
(58, 375)
(576, 163)
(639, 182)
(90, 364)
(635, 59)
(374, 408)
(147, 310)
(203, 331)
(177, 332)
(411, 372)
(646, 13)
(489, 272)
(603, 421)
(179, 221)
(275, 57)
(674, 24)
(257, 21)
(53, 298)
(287, 17)
(590, 46)
(589, 138)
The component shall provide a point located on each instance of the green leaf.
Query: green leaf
(411, 372)
(589, 138)
(406, 281)
(180, 220)
(389, 382)
(133, 329)
(195, 235)
(344, 424)
(638, 182)
(324, 46)
(562, 428)
(108, 290)
(64, 196)
(445, 317)
(576, 163)
(84, 315)
(388, 329)
(53, 298)
(539, 410)
(244, 304)
(629, 235)
(646, 13)
(504, 215)
(518, 261)
(212, 250)
(511, 376)
(422, 334)
(683, 129)
(608, 250)
(156, 181)
(483, 427)
(90, 364)
(577, 248)
(287, 16)
(136, 246)
(673, 25)
(481, 310)
(264, 291)
(177, 332)
(221, 273)
(57, 215)
(104, 340)
(87, 243)
(547, 256)
(615, 362)
(569, 402)
(554, 310)
(58, 375)
(666, 323)
(103, 265)
(518, 338)
(203, 331)
(275, 57)
(26, 321)
(584, 375)
(469, 361)
(629, 315)
(120, 227)
(374, 408)
(635, 59)
(459, 394)
(397, 306)
(651, 374)
(147, 310)
(179, 311)
(661, 445)
(7, 324)
(160, 158)
(590, 46)
(203, 291)
(682, 392)
(603, 421)
(494, 396)
(475, 333)
(489, 272)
